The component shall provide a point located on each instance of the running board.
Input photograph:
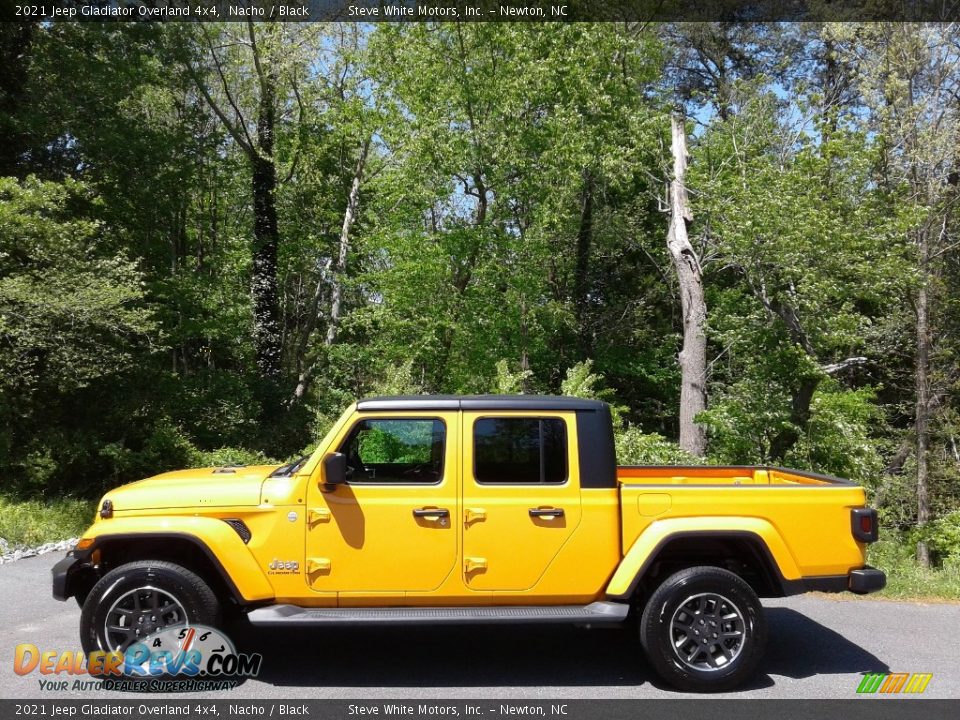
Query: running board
(293, 616)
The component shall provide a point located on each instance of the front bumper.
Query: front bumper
(71, 575)
(866, 580)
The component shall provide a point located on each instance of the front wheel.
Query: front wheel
(703, 630)
(139, 599)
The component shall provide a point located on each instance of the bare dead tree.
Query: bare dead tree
(686, 263)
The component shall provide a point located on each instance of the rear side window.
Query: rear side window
(395, 451)
(520, 450)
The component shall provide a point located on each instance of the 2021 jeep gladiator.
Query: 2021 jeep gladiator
(489, 509)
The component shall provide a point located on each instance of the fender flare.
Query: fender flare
(233, 561)
(647, 546)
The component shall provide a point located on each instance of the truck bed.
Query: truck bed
(803, 517)
(721, 475)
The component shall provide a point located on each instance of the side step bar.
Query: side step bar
(293, 616)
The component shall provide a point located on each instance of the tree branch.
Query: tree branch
(834, 368)
(248, 145)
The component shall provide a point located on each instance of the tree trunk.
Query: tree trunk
(266, 237)
(693, 356)
(336, 292)
(582, 267)
(349, 215)
(802, 398)
(923, 394)
(266, 233)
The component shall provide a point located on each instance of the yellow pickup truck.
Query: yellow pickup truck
(486, 509)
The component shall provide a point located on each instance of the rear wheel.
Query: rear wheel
(703, 630)
(139, 599)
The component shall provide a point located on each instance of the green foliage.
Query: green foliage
(402, 443)
(168, 447)
(943, 537)
(69, 306)
(508, 382)
(894, 554)
(399, 380)
(508, 236)
(582, 382)
(72, 316)
(634, 447)
(838, 436)
(31, 523)
(230, 456)
(837, 439)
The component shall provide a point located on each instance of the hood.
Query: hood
(199, 487)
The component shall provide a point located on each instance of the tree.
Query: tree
(71, 316)
(804, 262)
(909, 78)
(247, 95)
(514, 199)
(686, 264)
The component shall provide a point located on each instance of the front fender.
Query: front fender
(658, 533)
(217, 540)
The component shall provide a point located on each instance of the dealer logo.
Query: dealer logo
(193, 657)
(893, 683)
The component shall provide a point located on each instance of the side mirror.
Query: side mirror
(334, 471)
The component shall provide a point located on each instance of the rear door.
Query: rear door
(521, 496)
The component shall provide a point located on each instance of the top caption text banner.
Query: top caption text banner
(479, 10)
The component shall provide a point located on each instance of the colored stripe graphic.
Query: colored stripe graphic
(871, 682)
(918, 683)
(892, 683)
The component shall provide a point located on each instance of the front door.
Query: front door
(521, 497)
(391, 528)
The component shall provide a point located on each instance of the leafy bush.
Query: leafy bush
(31, 523)
(894, 554)
(582, 382)
(508, 382)
(837, 440)
(229, 456)
(943, 537)
(838, 437)
(635, 447)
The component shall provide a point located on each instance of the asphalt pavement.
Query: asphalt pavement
(818, 648)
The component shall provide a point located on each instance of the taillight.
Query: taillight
(863, 524)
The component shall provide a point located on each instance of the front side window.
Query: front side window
(395, 451)
(520, 450)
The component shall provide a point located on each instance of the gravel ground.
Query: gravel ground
(10, 554)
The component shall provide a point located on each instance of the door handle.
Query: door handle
(431, 513)
(546, 512)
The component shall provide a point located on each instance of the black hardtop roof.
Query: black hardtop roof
(480, 402)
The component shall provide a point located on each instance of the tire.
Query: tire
(703, 630)
(166, 594)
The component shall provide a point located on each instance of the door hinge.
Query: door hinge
(474, 564)
(318, 565)
(317, 515)
(472, 515)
